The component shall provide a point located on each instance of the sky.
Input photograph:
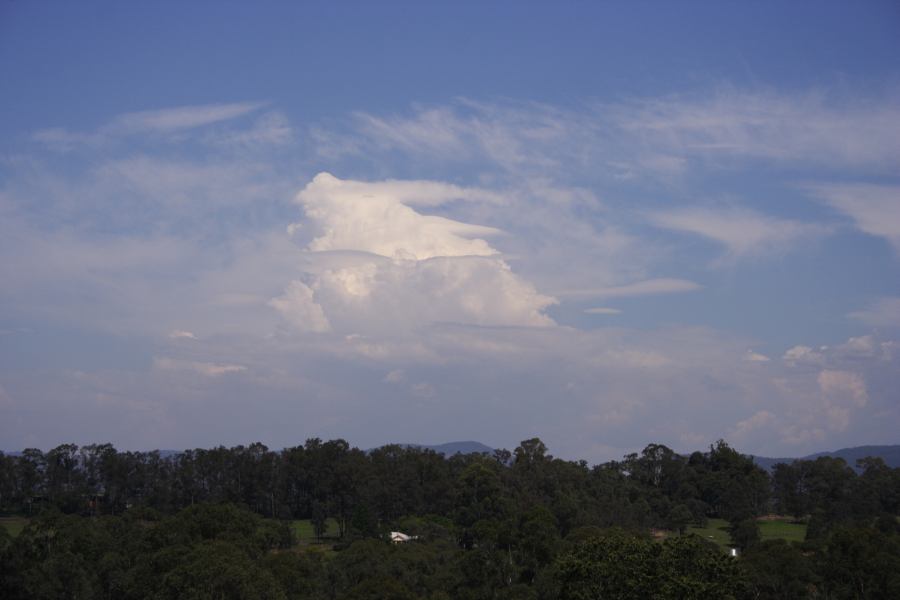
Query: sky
(601, 224)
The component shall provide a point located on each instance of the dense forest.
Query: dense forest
(220, 523)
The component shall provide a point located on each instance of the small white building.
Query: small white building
(399, 538)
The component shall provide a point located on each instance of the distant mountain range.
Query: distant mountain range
(890, 455)
(448, 449)
(451, 448)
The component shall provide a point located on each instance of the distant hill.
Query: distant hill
(890, 455)
(451, 448)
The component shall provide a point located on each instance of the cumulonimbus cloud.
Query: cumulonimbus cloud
(378, 218)
(400, 268)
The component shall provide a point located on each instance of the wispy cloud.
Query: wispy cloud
(174, 119)
(270, 129)
(661, 136)
(884, 312)
(602, 310)
(511, 135)
(800, 128)
(743, 232)
(207, 369)
(649, 287)
(874, 209)
(156, 122)
(178, 334)
(752, 356)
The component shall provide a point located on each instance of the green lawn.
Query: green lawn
(716, 530)
(785, 530)
(13, 525)
(304, 531)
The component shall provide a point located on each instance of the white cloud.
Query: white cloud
(803, 128)
(803, 355)
(379, 296)
(884, 312)
(395, 376)
(826, 400)
(270, 129)
(378, 266)
(514, 136)
(298, 306)
(752, 356)
(831, 392)
(182, 334)
(743, 232)
(647, 287)
(163, 121)
(859, 348)
(844, 383)
(861, 345)
(663, 137)
(184, 117)
(203, 368)
(875, 209)
(353, 215)
(762, 419)
(602, 310)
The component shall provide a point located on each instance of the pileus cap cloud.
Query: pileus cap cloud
(377, 218)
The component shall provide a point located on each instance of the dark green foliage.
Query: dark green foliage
(363, 523)
(777, 570)
(744, 533)
(522, 524)
(615, 565)
(378, 587)
(691, 568)
(216, 569)
(861, 563)
(298, 574)
(623, 566)
(679, 518)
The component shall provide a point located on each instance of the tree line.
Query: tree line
(518, 524)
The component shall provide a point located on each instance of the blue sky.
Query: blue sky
(603, 224)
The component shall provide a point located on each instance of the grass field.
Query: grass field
(305, 533)
(782, 529)
(13, 525)
(716, 530)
